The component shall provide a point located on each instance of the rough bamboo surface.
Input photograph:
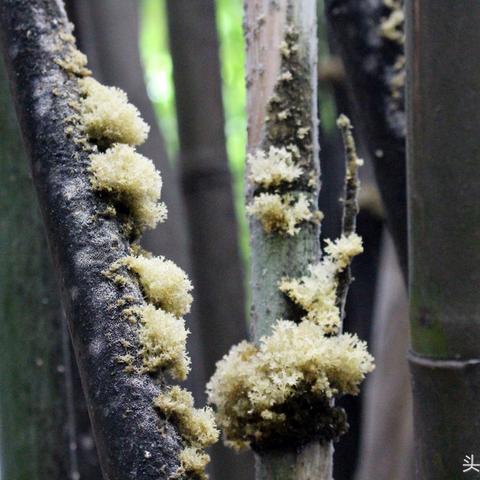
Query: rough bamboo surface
(374, 72)
(275, 256)
(443, 42)
(133, 441)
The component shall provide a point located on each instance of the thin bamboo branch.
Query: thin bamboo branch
(374, 62)
(350, 205)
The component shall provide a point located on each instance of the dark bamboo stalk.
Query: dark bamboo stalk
(132, 440)
(443, 105)
(207, 189)
(108, 33)
(35, 424)
(374, 74)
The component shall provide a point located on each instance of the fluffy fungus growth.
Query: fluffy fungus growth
(281, 213)
(132, 186)
(108, 117)
(196, 425)
(165, 284)
(193, 463)
(316, 293)
(163, 340)
(131, 181)
(256, 389)
(343, 249)
(272, 168)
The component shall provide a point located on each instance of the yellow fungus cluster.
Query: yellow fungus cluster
(163, 340)
(281, 213)
(253, 386)
(131, 184)
(344, 249)
(392, 26)
(196, 426)
(108, 117)
(265, 394)
(272, 168)
(130, 179)
(164, 284)
(316, 292)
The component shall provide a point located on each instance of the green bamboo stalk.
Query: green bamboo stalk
(275, 256)
(443, 109)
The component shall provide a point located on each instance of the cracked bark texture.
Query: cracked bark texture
(273, 255)
(444, 186)
(125, 424)
(369, 61)
(207, 189)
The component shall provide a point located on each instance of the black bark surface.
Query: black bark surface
(83, 245)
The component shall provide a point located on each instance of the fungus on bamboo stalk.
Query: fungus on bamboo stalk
(108, 127)
(280, 174)
(280, 393)
(392, 29)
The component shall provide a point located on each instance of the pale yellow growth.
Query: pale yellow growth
(163, 339)
(251, 383)
(163, 283)
(281, 213)
(343, 249)
(196, 426)
(108, 117)
(192, 463)
(74, 62)
(392, 27)
(272, 168)
(316, 294)
(132, 180)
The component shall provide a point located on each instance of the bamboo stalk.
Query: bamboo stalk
(133, 441)
(374, 65)
(275, 256)
(443, 106)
